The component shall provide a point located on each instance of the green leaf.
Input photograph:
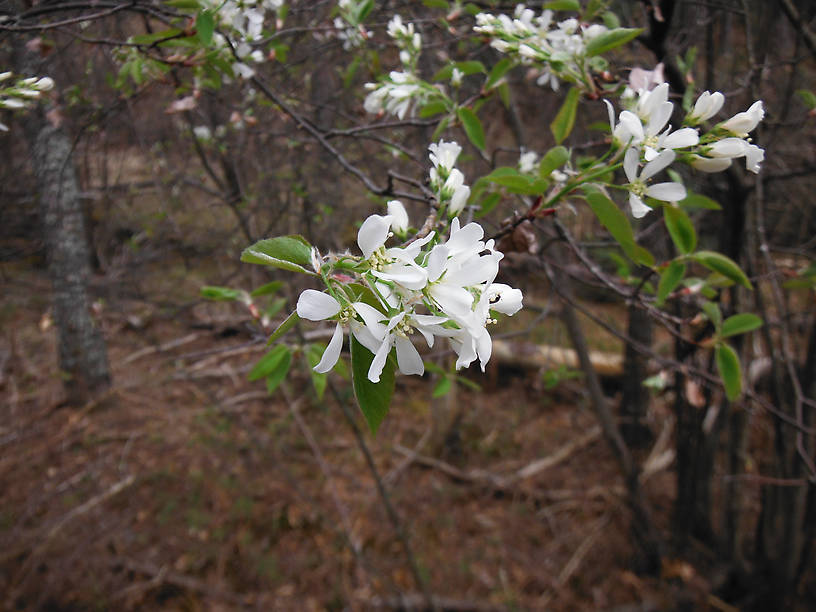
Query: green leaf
(723, 265)
(611, 20)
(498, 71)
(149, 39)
(488, 204)
(205, 26)
(565, 119)
(504, 93)
(713, 313)
(728, 366)
(432, 108)
(669, 280)
(563, 5)
(284, 327)
(696, 200)
(440, 128)
(469, 67)
(314, 352)
(554, 158)
(183, 4)
(680, 228)
(610, 40)
(618, 225)
(443, 4)
(275, 378)
(267, 289)
(363, 9)
(808, 97)
(740, 324)
(442, 387)
(269, 362)
(373, 398)
(221, 293)
(286, 252)
(508, 176)
(473, 127)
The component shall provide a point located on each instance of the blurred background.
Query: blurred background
(156, 475)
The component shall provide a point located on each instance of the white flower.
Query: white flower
(666, 192)
(399, 216)
(398, 332)
(730, 148)
(710, 165)
(444, 154)
(707, 105)
(528, 161)
(395, 264)
(743, 123)
(456, 77)
(318, 306)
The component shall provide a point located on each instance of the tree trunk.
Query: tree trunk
(82, 354)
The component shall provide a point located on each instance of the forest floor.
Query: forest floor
(187, 487)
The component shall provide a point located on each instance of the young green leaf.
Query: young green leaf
(205, 26)
(269, 362)
(284, 327)
(680, 228)
(565, 119)
(808, 97)
(723, 265)
(473, 127)
(442, 387)
(728, 366)
(563, 5)
(554, 158)
(221, 293)
(740, 324)
(669, 280)
(497, 72)
(373, 398)
(267, 289)
(432, 108)
(618, 225)
(314, 352)
(610, 40)
(286, 252)
(276, 376)
(713, 313)
(697, 200)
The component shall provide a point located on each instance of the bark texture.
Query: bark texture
(82, 352)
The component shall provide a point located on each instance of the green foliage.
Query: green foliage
(286, 252)
(728, 366)
(373, 398)
(740, 324)
(680, 229)
(723, 265)
(618, 225)
(669, 280)
(565, 119)
(473, 127)
(611, 40)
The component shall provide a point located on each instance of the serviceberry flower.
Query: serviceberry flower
(638, 186)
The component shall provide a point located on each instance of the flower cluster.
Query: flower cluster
(440, 288)
(644, 130)
(20, 94)
(349, 26)
(242, 22)
(559, 46)
(447, 182)
(396, 93)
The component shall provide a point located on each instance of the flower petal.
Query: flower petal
(630, 164)
(667, 192)
(378, 363)
(316, 305)
(332, 352)
(408, 358)
(373, 233)
(639, 209)
(686, 137)
(665, 158)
